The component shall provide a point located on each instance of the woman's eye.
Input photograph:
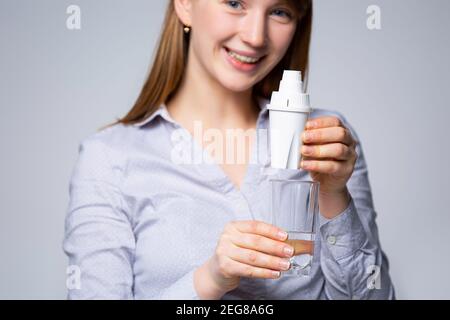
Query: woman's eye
(234, 4)
(282, 13)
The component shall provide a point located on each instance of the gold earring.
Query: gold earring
(187, 29)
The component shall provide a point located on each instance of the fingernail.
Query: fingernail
(288, 251)
(276, 274)
(285, 264)
(282, 235)
(307, 150)
(310, 124)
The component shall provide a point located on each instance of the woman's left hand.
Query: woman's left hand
(328, 153)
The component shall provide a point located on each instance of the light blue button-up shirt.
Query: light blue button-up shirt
(139, 223)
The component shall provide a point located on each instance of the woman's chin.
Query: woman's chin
(239, 82)
(237, 85)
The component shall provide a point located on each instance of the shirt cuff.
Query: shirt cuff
(183, 289)
(344, 234)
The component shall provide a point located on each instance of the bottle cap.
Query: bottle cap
(290, 96)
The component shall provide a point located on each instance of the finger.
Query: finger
(244, 270)
(338, 151)
(258, 259)
(326, 166)
(262, 244)
(328, 135)
(323, 122)
(261, 228)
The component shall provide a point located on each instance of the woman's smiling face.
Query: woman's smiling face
(237, 43)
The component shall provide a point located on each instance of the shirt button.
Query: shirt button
(331, 240)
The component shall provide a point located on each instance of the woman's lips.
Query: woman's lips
(240, 65)
(245, 54)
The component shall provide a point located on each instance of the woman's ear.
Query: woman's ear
(183, 10)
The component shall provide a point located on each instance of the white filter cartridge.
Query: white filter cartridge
(289, 109)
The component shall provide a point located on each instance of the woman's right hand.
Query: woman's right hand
(253, 249)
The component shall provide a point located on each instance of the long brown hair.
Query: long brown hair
(171, 58)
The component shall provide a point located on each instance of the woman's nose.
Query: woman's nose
(253, 30)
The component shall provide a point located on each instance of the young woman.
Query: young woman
(141, 225)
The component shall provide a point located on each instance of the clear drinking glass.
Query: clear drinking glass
(295, 209)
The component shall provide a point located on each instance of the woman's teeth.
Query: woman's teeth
(243, 59)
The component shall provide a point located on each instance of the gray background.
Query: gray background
(58, 86)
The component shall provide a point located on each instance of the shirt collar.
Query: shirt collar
(164, 113)
(161, 111)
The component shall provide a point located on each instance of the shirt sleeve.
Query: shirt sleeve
(99, 239)
(354, 265)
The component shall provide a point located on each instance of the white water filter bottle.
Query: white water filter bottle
(289, 109)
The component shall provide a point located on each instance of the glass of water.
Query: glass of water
(295, 209)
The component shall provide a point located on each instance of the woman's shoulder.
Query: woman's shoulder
(98, 152)
(117, 138)
(107, 147)
(111, 138)
(113, 145)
